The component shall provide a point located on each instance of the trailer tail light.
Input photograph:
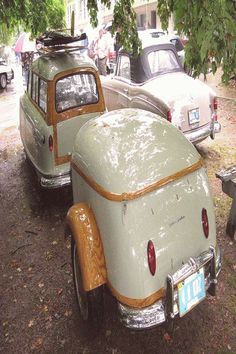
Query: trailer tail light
(50, 143)
(205, 223)
(215, 106)
(151, 254)
(215, 103)
(169, 116)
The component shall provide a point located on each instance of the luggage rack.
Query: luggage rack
(54, 41)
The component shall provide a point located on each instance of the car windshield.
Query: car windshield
(161, 61)
(76, 90)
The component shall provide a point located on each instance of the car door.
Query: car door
(116, 89)
(34, 127)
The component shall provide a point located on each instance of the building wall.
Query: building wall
(145, 10)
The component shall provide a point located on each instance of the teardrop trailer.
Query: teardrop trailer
(142, 223)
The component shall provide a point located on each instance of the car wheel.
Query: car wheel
(90, 303)
(3, 81)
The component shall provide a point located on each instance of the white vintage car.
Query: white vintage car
(155, 81)
(143, 222)
(6, 74)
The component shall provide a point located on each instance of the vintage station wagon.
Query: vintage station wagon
(143, 222)
(63, 93)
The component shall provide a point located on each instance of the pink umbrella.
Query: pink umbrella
(23, 44)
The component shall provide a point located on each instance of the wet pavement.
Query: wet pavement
(9, 101)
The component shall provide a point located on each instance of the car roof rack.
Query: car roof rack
(53, 41)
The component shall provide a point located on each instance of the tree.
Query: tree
(33, 16)
(210, 26)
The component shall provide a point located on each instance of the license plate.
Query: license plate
(193, 116)
(191, 291)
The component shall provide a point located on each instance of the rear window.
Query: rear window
(75, 91)
(161, 61)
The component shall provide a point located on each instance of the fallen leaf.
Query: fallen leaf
(37, 343)
(68, 313)
(45, 308)
(59, 291)
(167, 337)
(31, 323)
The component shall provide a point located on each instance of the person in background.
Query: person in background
(102, 48)
(117, 44)
(26, 61)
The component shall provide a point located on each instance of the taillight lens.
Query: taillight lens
(50, 143)
(151, 257)
(205, 223)
(169, 116)
(215, 103)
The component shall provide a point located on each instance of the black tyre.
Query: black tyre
(90, 303)
(3, 81)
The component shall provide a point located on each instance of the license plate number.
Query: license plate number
(191, 291)
(193, 116)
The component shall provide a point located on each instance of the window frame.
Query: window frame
(77, 106)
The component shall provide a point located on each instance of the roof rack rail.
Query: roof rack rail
(52, 41)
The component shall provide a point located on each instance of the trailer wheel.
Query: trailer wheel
(3, 81)
(90, 303)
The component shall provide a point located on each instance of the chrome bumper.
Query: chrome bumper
(55, 181)
(202, 133)
(168, 307)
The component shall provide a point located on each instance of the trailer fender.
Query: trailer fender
(81, 221)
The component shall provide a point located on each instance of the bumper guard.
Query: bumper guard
(168, 307)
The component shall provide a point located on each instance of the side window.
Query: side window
(124, 67)
(75, 91)
(29, 83)
(43, 95)
(35, 88)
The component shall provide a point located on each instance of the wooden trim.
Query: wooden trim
(82, 223)
(134, 195)
(137, 303)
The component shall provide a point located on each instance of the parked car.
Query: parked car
(155, 81)
(6, 74)
(63, 92)
(150, 33)
(142, 223)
